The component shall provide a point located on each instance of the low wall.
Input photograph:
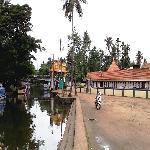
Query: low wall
(117, 92)
(67, 141)
(109, 92)
(74, 137)
(128, 93)
(141, 94)
(138, 93)
(80, 140)
(148, 93)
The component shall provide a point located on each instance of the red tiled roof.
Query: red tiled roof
(96, 76)
(113, 67)
(146, 65)
(114, 73)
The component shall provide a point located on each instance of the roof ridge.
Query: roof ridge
(113, 67)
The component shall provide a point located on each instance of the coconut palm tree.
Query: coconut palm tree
(68, 7)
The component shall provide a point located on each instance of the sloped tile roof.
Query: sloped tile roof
(146, 65)
(114, 73)
(113, 67)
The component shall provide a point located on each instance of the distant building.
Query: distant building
(135, 77)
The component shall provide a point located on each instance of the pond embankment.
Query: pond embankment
(74, 137)
(122, 123)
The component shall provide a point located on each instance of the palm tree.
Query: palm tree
(109, 43)
(68, 7)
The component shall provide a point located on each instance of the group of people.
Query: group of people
(58, 84)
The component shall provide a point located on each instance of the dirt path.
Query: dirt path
(121, 124)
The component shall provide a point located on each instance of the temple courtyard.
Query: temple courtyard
(122, 123)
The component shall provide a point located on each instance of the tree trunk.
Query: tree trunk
(72, 73)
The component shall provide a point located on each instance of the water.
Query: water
(36, 122)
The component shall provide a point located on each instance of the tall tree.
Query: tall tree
(139, 57)
(94, 60)
(81, 50)
(74, 47)
(68, 7)
(103, 60)
(44, 69)
(145, 61)
(109, 44)
(107, 60)
(125, 59)
(16, 44)
(118, 51)
(117, 44)
(112, 48)
(82, 57)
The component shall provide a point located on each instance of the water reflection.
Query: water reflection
(32, 123)
(2, 106)
(15, 128)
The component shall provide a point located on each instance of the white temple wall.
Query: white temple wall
(147, 85)
(121, 84)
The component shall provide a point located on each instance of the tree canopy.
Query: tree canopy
(90, 59)
(139, 57)
(16, 44)
(69, 6)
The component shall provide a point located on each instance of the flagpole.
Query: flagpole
(61, 63)
(52, 85)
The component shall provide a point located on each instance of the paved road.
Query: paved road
(96, 138)
(121, 124)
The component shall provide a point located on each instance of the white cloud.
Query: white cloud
(126, 19)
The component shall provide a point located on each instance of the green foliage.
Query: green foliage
(106, 61)
(109, 44)
(81, 49)
(125, 59)
(16, 44)
(83, 56)
(139, 57)
(44, 69)
(120, 52)
(145, 61)
(69, 6)
(74, 48)
(94, 60)
(113, 48)
(90, 60)
(17, 122)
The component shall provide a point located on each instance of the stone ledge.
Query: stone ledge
(74, 137)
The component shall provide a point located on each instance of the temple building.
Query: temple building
(115, 78)
(58, 67)
(58, 72)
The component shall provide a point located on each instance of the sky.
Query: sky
(127, 20)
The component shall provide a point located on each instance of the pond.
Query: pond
(33, 122)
